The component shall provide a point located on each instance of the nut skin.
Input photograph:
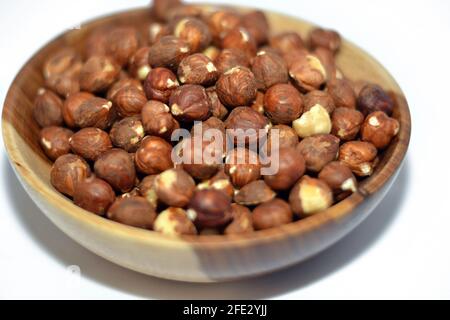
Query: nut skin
(379, 129)
(193, 150)
(244, 120)
(254, 193)
(242, 166)
(98, 74)
(134, 211)
(60, 62)
(90, 143)
(72, 104)
(160, 84)
(346, 123)
(190, 103)
(168, 52)
(157, 120)
(94, 195)
(67, 171)
(373, 98)
(218, 110)
(117, 168)
(240, 39)
(310, 196)
(66, 83)
(272, 214)
(127, 133)
(47, 110)
(120, 84)
(339, 178)
(315, 121)
(174, 222)
(194, 31)
(269, 69)
(122, 43)
(318, 151)
(308, 72)
(288, 138)
(242, 220)
(237, 87)
(147, 189)
(138, 65)
(153, 156)
(342, 93)
(231, 58)
(283, 104)
(319, 97)
(96, 42)
(197, 69)
(257, 26)
(55, 141)
(328, 39)
(222, 22)
(95, 112)
(287, 42)
(129, 101)
(174, 187)
(359, 156)
(291, 168)
(211, 208)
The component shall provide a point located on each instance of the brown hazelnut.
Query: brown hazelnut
(237, 87)
(310, 196)
(338, 177)
(72, 104)
(154, 156)
(117, 168)
(308, 72)
(157, 119)
(94, 195)
(129, 101)
(220, 182)
(373, 98)
(160, 84)
(239, 38)
(135, 211)
(155, 31)
(313, 122)
(244, 125)
(138, 64)
(186, 11)
(96, 42)
(359, 156)
(147, 189)
(328, 39)
(242, 166)
(291, 167)
(95, 112)
(283, 103)
(342, 93)
(98, 74)
(67, 171)
(272, 214)
(218, 110)
(291, 57)
(287, 42)
(257, 26)
(222, 22)
(168, 52)
(60, 62)
(231, 58)
(269, 69)
(212, 52)
(190, 103)
(197, 69)
(127, 133)
(123, 83)
(122, 43)
(287, 137)
(66, 83)
(241, 220)
(358, 85)
(210, 208)
(379, 129)
(174, 187)
(160, 8)
(90, 143)
(319, 150)
(55, 141)
(47, 110)
(254, 193)
(319, 97)
(194, 31)
(174, 222)
(329, 62)
(346, 123)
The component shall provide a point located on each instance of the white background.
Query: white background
(401, 251)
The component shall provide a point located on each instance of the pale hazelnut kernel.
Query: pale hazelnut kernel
(310, 196)
(315, 121)
(174, 222)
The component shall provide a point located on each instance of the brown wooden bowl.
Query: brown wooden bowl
(206, 258)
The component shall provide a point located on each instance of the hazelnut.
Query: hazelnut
(242, 166)
(258, 104)
(47, 110)
(201, 159)
(96, 42)
(237, 87)
(129, 101)
(319, 150)
(134, 211)
(291, 57)
(160, 8)
(160, 84)
(67, 171)
(342, 93)
(154, 156)
(308, 72)
(95, 112)
(287, 42)
(174, 187)
(218, 110)
(373, 98)
(291, 168)
(157, 119)
(254, 193)
(359, 156)
(222, 22)
(90, 143)
(241, 220)
(315, 121)
(231, 58)
(168, 52)
(329, 62)
(287, 137)
(127, 133)
(94, 195)
(184, 11)
(155, 31)
(220, 182)
(197, 69)
(283, 104)
(319, 97)
(123, 83)
(379, 129)
(257, 26)
(210, 208)
(269, 69)
(244, 125)
(338, 177)
(272, 214)
(66, 83)
(117, 168)
(98, 74)
(121, 44)
(138, 65)
(190, 103)
(72, 104)
(239, 38)
(328, 39)
(174, 222)
(194, 31)
(147, 189)
(358, 85)
(55, 141)
(211, 52)
(60, 62)
(346, 123)
(310, 196)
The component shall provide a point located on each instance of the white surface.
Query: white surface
(401, 251)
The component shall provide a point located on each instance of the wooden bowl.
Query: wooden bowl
(206, 258)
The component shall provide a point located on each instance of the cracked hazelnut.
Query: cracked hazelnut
(222, 22)
(241, 220)
(117, 168)
(134, 211)
(94, 195)
(174, 222)
(328, 39)
(239, 38)
(283, 104)
(254, 193)
(218, 110)
(310, 196)
(272, 214)
(346, 123)
(287, 137)
(373, 98)
(269, 69)
(122, 43)
(190, 103)
(72, 104)
(210, 208)
(47, 110)
(359, 156)
(315, 121)
(308, 72)
(319, 150)
(168, 52)
(339, 178)
(127, 133)
(98, 74)
(147, 189)
(55, 141)
(67, 171)
(138, 65)
(242, 166)
(244, 125)
(197, 69)
(154, 155)
(237, 87)
(379, 129)
(258, 104)
(160, 84)
(287, 42)
(291, 168)
(257, 26)
(95, 112)
(194, 31)
(318, 97)
(123, 83)
(231, 58)
(342, 93)
(174, 187)
(129, 101)
(157, 120)
(90, 143)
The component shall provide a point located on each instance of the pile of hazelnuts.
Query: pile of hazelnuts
(107, 115)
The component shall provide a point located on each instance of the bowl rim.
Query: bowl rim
(338, 211)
